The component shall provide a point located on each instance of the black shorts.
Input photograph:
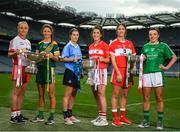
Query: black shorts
(70, 79)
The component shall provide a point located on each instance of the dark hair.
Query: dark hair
(157, 30)
(98, 27)
(50, 27)
(72, 30)
(122, 24)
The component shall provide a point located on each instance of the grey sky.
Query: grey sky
(126, 7)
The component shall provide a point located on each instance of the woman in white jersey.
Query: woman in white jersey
(17, 48)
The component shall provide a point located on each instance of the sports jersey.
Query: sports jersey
(55, 51)
(71, 51)
(121, 50)
(19, 43)
(155, 55)
(97, 51)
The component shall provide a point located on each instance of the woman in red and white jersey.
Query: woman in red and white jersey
(99, 52)
(17, 48)
(120, 50)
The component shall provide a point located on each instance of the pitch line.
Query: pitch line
(128, 105)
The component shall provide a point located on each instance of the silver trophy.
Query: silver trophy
(136, 60)
(34, 59)
(88, 64)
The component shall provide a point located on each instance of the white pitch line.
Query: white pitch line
(128, 105)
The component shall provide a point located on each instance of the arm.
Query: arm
(16, 52)
(12, 54)
(113, 60)
(55, 56)
(69, 59)
(171, 63)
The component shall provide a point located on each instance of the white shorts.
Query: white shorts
(100, 78)
(153, 79)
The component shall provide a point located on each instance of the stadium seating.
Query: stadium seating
(8, 29)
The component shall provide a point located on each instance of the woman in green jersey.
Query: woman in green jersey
(155, 53)
(45, 77)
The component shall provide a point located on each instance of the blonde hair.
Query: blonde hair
(22, 22)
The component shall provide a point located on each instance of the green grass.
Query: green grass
(85, 107)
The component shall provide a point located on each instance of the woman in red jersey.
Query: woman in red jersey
(120, 50)
(99, 52)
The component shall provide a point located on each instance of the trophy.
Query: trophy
(34, 59)
(88, 64)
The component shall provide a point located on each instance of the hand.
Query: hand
(23, 50)
(50, 55)
(119, 77)
(20, 51)
(164, 68)
(101, 59)
(75, 59)
(144, 57)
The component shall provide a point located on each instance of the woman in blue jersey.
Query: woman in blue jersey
(71, 56)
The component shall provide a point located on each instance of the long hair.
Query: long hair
(122, 24)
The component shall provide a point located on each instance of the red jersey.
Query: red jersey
(99, 50)
(121, 50)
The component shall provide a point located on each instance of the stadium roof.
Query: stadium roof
(53, 12)
(38, 10)
(165, 19)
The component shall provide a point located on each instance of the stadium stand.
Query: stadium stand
(8, 23)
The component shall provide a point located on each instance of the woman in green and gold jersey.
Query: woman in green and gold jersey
(45, 77)
(155, 54)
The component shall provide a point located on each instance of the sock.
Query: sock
(160, 116)
(99, 112)
(122, 112)
(13, 113)
(41, 111)
(69, 112)
(65, 114)
(146, 115)
(18, 112)
(114, 113)
(51, 113)
(103, 115)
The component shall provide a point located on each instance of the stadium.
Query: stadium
(36, 13)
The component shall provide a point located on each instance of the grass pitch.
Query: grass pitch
(85, 107)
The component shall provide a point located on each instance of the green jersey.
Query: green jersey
(155, 56)
(41, 47)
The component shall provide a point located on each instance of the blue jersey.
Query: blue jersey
(71, 51)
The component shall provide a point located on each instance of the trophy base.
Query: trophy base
(31, 70)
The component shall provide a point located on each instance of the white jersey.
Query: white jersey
(19, 43)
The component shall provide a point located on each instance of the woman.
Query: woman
(71, 56)
(99, 52)
(46, 73)
(155, 53)
(17, 48)
(120, 50)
